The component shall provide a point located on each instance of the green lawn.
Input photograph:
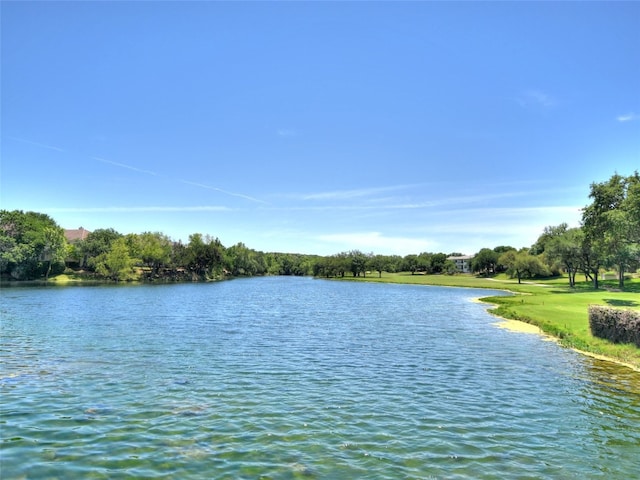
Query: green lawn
(550, 304)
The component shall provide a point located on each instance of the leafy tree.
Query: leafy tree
(117, 263)
(31, 244)
(96, 243)
(340, 263)
(410, 263)
(450, 267)
(564, 244)
(425, 262)
(290, 264)
(55, 248)
(154, 250)
(203, 256)
(331, 266)
(358, 263)
(486, 261)
(437, 263)
(500, 250)
(522, 264)
(611, 222)
(379, 263)
(394, 263)
(241, 260)
(632, 207)
(592, 259)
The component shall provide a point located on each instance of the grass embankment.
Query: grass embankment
(67, 278)
(551, 305)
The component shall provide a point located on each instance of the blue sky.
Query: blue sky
(318, 127)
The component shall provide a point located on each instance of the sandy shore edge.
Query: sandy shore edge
(524, 327)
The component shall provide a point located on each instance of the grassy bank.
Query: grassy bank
(551, 305)
(67, 278)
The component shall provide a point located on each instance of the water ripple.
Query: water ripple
(294, 378)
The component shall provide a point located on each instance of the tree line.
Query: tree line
(33, 246)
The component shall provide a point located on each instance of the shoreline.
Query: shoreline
(518, 326)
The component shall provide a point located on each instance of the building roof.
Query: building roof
(75, 235)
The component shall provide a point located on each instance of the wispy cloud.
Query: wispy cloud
(629, 117)
(536, 98)
(370, 202)
(286, 132)
(523, 213)
(226, 192)
(355, 193)
(128, 167)
(186, 182)
(140, 209)
(376, 242)
(374, 200)
(500, 222)
(37, 144)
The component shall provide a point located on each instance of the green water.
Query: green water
(298, 378)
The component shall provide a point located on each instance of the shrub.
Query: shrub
(614, 324)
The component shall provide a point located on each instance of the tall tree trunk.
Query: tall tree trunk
(621, 277)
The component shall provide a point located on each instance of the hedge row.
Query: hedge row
(614, 324)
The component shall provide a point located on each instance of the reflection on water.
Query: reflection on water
(289, 378)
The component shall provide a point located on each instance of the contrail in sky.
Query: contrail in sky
(208, 187)
(148, 209)
(42, 145)
(129, 167)
(147, 172)
(186, 182)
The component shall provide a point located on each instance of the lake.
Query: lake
(282, 378)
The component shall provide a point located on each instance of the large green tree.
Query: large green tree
(485, 261)
(379, 263)
(203, 256)
(410, 263)
(565, 245)
(358, 263)
(241, 260)
(116, 263)
(97, 243)
(612, 221)
(592, 259)
(54, 250)
(154, 250)
(438, 263)
(521, 264)
(31, 245)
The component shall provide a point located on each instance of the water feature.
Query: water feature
(298, 378)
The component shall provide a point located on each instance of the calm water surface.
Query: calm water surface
(298, 378)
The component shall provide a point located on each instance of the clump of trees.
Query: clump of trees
(357, 263)
(609, 236)
(33, 246)
(611, 225)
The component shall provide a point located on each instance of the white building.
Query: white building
(463, 263)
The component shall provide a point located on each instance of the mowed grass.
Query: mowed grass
(552, 305)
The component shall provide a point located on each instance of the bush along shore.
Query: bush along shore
(560, 311)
